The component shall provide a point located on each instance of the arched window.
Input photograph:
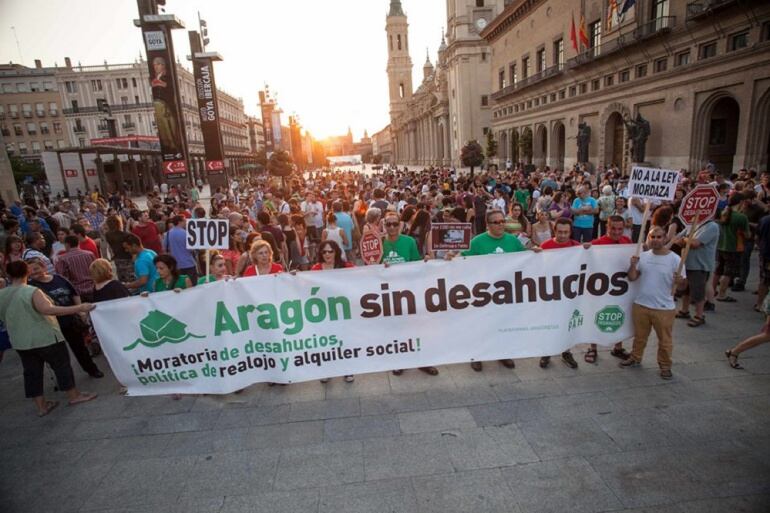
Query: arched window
(398, 37)
(401, 90)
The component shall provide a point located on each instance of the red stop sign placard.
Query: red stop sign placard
(700, 203)
(371, 249)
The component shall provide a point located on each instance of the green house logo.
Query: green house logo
(159, 328)
(575, 321)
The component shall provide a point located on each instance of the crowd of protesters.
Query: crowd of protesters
(59, 256)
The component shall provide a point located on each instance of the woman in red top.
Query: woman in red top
(330, 257)
(147, 232)
(261, 254)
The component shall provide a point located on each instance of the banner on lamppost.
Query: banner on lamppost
(163, 81)
(208, 109)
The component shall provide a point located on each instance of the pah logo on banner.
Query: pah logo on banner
(159, 328)
(575, 321)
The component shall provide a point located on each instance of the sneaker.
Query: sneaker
(476, 366)
(666, 374)
(398, 372)
(709, 306)
(544, 361)
(325, 380)
(350, 378)
(569, 360)
(625, 364)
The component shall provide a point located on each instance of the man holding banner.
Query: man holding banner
(654, 306)
(495, 240)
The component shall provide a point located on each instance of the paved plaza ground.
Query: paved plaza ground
(525, 440)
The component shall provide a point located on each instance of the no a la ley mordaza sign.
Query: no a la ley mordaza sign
(224, 336)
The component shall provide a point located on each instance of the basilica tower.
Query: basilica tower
(399, 63)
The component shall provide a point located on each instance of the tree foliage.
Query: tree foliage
(472, 155)
(280, 164)
(491, 145)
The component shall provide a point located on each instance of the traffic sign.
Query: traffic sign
(215, 165)
(371, 249)
(700, 203)
(208, 234)
(173, 167)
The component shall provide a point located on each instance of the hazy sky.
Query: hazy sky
(325, 58)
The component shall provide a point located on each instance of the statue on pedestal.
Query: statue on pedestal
(583, 140)
(638, 131)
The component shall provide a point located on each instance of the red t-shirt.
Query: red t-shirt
(552, 244)
(89, 245)
(149, 236)
(317, 267)
(252, 269)
(605, 240)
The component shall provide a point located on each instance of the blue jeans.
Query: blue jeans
(583, 234)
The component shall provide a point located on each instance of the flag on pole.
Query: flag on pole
(612, 14)
(628, 4)
(573, 34)
(583, 32)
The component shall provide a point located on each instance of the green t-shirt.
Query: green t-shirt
(206, 279)
(181, 283)
(522, 196)
(404, 249)
(733, 233)
(485, 244)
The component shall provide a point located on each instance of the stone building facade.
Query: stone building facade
(430, 125)
(31, 119)
(698, 71)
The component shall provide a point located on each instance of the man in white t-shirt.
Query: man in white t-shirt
(654, 306)
(313, 211)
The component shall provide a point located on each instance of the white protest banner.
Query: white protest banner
(653, 184)
(224, 336)
(208, 234)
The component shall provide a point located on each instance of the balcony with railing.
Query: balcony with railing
(644, 31)
(702, 8)
(13, 114)
(103, 127)
(27, 114)
(547, 73)
(129, 125)
(113, 108)
(53, 112)
(79, 129)
(40, 113)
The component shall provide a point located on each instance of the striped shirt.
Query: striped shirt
(74, 265)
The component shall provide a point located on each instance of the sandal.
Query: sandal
(727, 299)
(696, 321)
(683, 315)
(591, 356)
(49, 407)
(620, 353)
(732, 359)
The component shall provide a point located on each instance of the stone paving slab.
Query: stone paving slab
(595, 439)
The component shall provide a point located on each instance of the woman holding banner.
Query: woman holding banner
(168, 275)
(330, 257)
(261, 255)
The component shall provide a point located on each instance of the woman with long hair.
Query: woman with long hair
(330, 256)
(244, 260)
(303, 242)
(516, 223)
(115, 237)
(14, 249)
(168, 275)
(420, 231)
